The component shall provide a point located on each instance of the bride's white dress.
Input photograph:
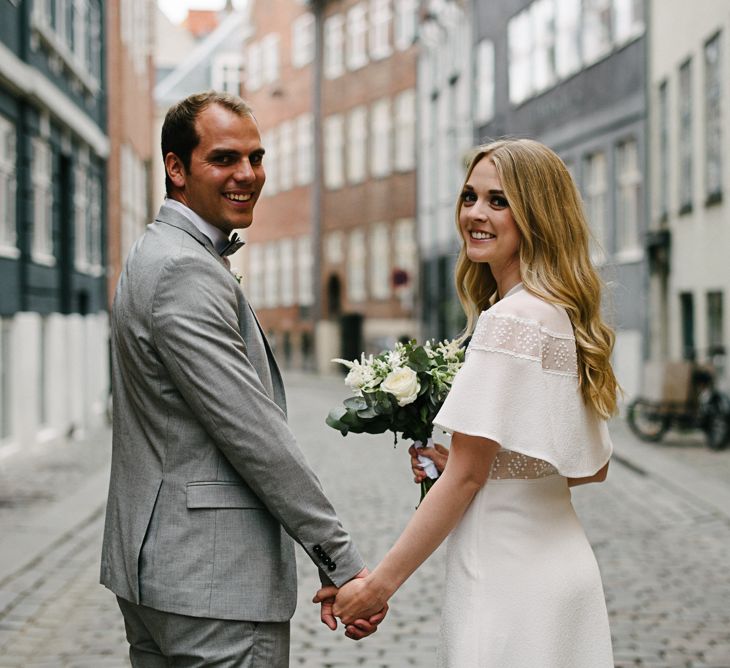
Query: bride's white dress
(523, 589)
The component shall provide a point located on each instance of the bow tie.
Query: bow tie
(234, 243)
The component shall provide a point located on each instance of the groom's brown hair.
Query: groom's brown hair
(179, 135)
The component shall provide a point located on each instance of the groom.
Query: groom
(208, 489)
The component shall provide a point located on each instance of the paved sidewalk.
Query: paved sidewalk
(660, 528)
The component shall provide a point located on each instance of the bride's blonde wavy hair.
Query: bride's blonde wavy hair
(554, 258)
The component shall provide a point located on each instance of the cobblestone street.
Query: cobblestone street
(660, 527)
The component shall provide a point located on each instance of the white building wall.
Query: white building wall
(76, 376)
(700, 239)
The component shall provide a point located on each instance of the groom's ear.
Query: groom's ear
(175, 170)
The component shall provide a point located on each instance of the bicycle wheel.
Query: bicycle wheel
(646, 420)
(716, 424)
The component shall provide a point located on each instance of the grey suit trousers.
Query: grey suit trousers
(160, 639)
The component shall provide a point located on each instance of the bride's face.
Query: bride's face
(485, 219)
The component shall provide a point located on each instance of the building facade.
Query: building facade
(368, 278)
(332, 254)
(450, 101)
(690, 215)
(131, 80)
(573, 75)
(53, 149)
(278, 259)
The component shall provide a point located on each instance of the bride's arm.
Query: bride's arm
(470, 459)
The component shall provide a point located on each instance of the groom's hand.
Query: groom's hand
(360, 628)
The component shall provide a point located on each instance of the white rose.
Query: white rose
(402, 383)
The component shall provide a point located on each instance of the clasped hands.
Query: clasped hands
(358, 605)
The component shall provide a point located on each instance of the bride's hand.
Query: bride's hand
(359, 599)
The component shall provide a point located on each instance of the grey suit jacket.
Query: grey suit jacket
(208, 486)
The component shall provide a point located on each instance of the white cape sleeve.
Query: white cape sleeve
(519, 387)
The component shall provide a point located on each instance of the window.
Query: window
(484, 94)
(5, 358)
(543, 30)
(334, 247)
(286, 257)
(405, 135)
(357, 136)
(135, 214)
(333, 45)
(271, 160)
(380, 261)
(356, 267)
(685, 137)
(519, 37)
(334, 172)
(255, 284)
(628, 181)
(286, 155)
(405, 23)
(595, 199)
(567, 37)
(271, 274)
(380, 137)
(94, 224)
(715, 325)
(8, 187)
(357, 34)
(254, 73)
(270, 58)
(81, 209)
(305, 149)
(663, 112)
(302, 40)
(405, 252)
(687, 314)
(596, 29)
(227, 73)
(380, 19)
(628, 19)
(135, 27)
(42, 179)
(713, 120)
(305, 295)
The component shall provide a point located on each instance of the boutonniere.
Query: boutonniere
(237, 276)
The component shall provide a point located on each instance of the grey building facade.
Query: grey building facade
(573, 75)
(53, 147)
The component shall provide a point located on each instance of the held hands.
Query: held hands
(357, 626)
(439, 454)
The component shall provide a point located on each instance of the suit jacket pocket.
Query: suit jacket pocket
(221, 494)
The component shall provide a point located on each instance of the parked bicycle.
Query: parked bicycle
(682, 396)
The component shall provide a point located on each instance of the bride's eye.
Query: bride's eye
(498, 202)
(468, 196)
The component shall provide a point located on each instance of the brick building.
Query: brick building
(131, 115)
(332, 257)
(278, 258)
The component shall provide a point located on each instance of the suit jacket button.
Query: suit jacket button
(331, 566)
(327, 560)
(317, 549)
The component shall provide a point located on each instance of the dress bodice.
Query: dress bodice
(510, 465)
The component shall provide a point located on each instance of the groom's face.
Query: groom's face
(226, 169)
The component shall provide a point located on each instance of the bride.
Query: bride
(528, 416)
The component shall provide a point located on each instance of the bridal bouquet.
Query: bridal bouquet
(399, 390)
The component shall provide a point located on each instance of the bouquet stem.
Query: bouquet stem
(426, 484)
